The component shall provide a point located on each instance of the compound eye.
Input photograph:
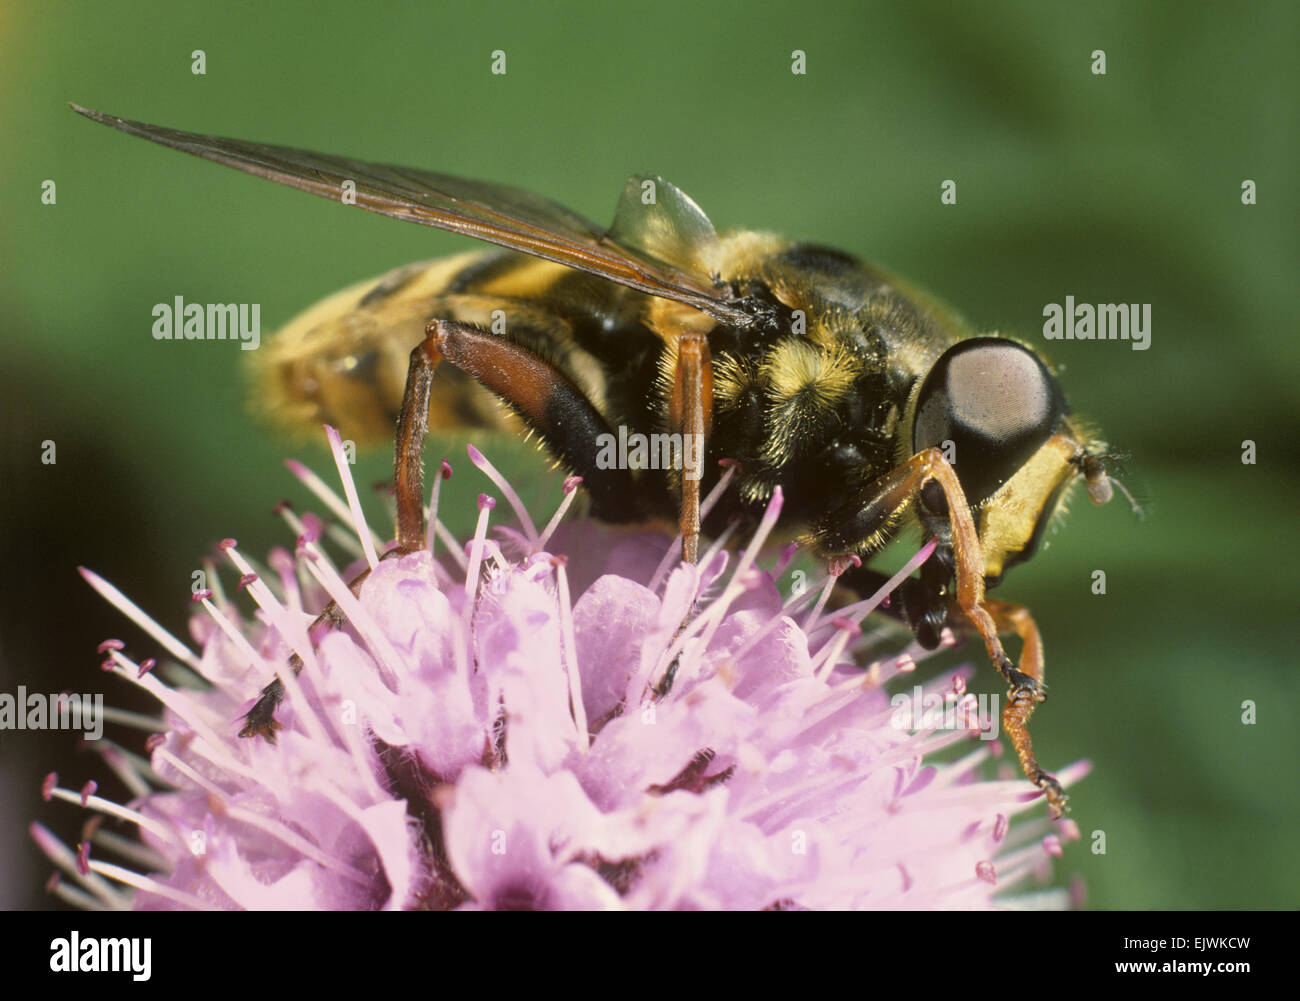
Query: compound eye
(996, 402)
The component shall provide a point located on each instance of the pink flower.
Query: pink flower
(676, 737)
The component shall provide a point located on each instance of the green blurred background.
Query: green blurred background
(1117, 188)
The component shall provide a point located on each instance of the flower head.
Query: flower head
(563, 718)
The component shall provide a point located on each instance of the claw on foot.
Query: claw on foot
(1057, 801)
(1023, 687)
(1024, 694)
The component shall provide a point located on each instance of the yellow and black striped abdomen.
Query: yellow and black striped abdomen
(344, 360)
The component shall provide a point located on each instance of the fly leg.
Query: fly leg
(408, 478)
(1027, 690)
(928, 479)
(690, 414)
(543, 396)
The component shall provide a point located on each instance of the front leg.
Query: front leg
(928, 479)
(1025, 694)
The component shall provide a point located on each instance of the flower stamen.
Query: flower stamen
(512, 498)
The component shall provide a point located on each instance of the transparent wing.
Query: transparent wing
(509, 217)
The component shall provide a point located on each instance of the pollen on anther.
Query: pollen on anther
(246, 579)
(49, 785)
(146, 665)
(87, 791)
(986, 872)
(108, 645)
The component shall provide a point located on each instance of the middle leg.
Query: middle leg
(690, 412)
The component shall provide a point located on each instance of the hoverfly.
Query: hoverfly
(870, 406)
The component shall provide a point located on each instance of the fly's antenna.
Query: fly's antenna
(1141, 508)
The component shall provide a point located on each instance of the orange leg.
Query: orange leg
(882, 501)
(542, 396)
(690, 412)
(1025, 694)
(879, 504)
(408, 476)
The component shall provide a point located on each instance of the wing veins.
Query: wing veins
(528, 223)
